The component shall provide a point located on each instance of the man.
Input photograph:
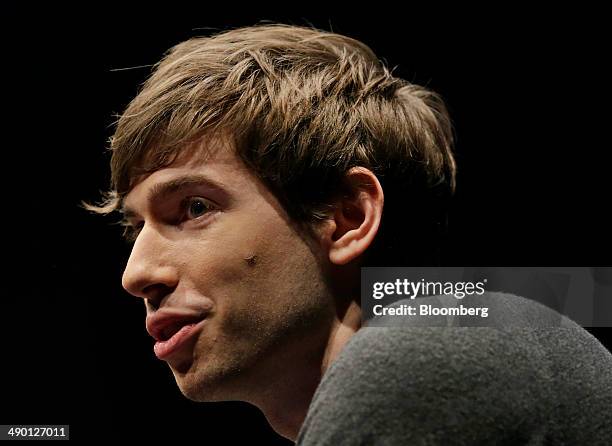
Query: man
(258, 170)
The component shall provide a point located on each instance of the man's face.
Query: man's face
(215, 249)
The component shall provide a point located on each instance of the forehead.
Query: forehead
(211, 162)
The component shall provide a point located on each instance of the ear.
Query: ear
(357, 217)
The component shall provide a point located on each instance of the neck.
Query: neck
(286, 401)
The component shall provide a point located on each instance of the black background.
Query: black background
(524, 88)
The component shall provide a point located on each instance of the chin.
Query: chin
(195, 389)
(194, 392)
(206, 385)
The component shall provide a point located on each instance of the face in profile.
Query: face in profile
(234, 294)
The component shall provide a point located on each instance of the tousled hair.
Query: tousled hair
(303, 107)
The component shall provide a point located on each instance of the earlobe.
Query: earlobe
(357, 217)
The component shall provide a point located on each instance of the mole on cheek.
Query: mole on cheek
(251, 260)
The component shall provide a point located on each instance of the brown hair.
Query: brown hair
(303, 107)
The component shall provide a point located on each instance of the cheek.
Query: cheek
(282, 286)
(256, 275)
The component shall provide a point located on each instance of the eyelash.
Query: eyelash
(186, 202)
(130, 232)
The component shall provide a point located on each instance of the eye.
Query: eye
(195, 207)
(130, 232)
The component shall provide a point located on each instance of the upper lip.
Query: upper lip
(164, 324)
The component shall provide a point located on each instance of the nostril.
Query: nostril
(155, 293)
(149, 281)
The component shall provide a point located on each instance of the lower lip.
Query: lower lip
(165, 349)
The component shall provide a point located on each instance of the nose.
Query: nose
(148, 273)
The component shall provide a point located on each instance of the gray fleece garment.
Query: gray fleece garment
(454, 385)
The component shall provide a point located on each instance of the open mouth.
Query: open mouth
(172, 330)
(175, 337)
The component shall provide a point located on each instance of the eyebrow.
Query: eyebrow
(163, 190)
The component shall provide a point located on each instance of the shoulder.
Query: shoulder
(456, 385)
